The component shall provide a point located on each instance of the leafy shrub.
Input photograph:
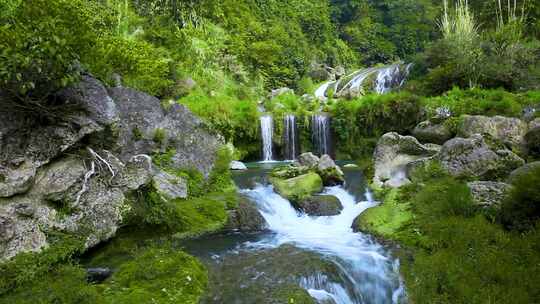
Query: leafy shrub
(373, 115)
(521, 210)
(481, 102)
(142, 65)
(41, 44)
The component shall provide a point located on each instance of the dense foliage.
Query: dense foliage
(457, 253)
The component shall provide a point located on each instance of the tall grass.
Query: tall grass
(460, 26)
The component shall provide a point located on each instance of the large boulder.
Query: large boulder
(297, 188)
(308, 159)
(245, 217)
(27, 143)
(488, 193)
(320, 205)
(532, 138)
(509, 131)
(522, 171)
(146, 127)
(330, 173)
(472, 157)
(87, 192)
(428, 132)
(393, 153)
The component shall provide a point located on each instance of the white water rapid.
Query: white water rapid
(267, 130)
(369, 274)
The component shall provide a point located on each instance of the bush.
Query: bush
(42, 42)
(142, 65)
(521, 210)
(481, 102)
(373, 115)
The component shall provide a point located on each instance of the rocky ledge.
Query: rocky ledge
(76, 173)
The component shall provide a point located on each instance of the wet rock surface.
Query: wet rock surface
(321, 205)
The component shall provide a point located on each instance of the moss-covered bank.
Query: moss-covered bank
(454, 252)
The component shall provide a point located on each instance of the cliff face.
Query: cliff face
(73, 173)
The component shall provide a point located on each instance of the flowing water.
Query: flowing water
(385, 79)
(321, 134)
(267, 130)
(290, 137)
(320, 254)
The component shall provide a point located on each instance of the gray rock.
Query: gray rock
(510, 131)
(90, 95)
(432, 133)
(169, 186)
(487, 193)
(98, 275)
(245, 218)
(237, 165)
(321, 205)
(308, 160)
(472, 157)
(522, 171)
(393, 153)
(15, 181)
(330, 173)
(146, 127)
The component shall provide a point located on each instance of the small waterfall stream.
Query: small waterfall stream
(290, 137)
(321, 134)
(368, 274)
(267, 130)
(385, 79)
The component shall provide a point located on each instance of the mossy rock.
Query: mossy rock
(386, 219)
(297, 188)
(292, 295)
(321, 205)
(159, 276)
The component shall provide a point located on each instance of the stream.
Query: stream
(319, 254)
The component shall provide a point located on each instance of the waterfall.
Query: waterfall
(383, 81)
(267, 130)
(367, 274)
(290, 137)
(320, 134)
(391, 77)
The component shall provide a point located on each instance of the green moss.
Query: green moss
(293, 295)
(386, 219)
(298, 188)
(65, 284)
(159, 136)
(30, 266)
(158, 276)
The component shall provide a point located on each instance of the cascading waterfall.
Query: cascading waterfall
(367, 274)
(267, 130)
(386, 78)
(290, 137)
(320, 133)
